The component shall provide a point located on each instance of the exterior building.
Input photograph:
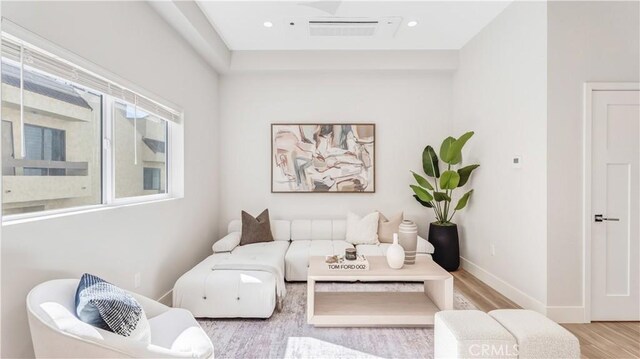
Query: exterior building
(53, 160)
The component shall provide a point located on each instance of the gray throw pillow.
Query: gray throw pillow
(256, 230)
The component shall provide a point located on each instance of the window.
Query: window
(139, 147)
(152, 179)
(71, 138)
(7, 148)
(52, 154)
(44, 144)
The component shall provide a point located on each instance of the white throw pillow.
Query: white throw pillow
(362, 230)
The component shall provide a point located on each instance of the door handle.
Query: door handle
(600, 218)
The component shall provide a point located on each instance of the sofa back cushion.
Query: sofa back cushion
(279, 228)
(318, 229)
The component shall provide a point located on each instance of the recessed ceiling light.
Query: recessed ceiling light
(412, 23)
(268, 24)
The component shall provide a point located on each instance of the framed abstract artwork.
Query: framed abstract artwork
(323, 158)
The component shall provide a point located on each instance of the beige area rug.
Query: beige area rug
(287, 335)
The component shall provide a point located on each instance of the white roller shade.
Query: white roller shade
(40, 60)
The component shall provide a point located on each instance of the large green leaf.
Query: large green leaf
(430, 162)
(422, 181)
(451, 149)
(445, 149)
(449, 180)
(463, 200)
(441, 196)
(464, 173)
(422, 193)
(456, 147)
(426, 204)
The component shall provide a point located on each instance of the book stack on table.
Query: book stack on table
(340, 263)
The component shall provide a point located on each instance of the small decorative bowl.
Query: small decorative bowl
(331, 259)
(350, 254)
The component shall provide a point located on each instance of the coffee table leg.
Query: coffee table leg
(440, 292)
(311, 284)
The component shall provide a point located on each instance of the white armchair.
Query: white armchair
(57, 332)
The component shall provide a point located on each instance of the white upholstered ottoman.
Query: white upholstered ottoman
(471, 334)
(226, 293)
(537, 335)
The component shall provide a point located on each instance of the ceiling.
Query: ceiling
(381, 25)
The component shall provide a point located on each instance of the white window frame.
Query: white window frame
(174, 142)
(109, 173)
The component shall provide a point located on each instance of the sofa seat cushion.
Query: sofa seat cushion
(424, 247)
(274, 250)
(177, 330)
(297, 258)
(380, 249)
(373, 249)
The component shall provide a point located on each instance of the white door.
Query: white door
(615, 227)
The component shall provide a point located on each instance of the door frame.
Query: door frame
(589, 89)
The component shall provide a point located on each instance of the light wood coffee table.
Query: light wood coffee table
(378, 309)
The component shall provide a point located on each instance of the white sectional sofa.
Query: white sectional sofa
(208, 291)
(320, 237)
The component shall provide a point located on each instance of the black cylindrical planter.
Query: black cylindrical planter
(445, 243)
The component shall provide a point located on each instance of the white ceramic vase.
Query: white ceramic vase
(395, 254)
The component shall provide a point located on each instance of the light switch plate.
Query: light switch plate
(516, 161)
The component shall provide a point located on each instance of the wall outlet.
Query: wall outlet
(137, 279)
(493, 249)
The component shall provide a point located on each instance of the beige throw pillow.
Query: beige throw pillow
(387, 227)
(362, 230)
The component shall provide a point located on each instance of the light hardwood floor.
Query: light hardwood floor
(597, 340)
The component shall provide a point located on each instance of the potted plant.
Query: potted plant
(438, 193)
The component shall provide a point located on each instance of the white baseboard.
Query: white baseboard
(566, 314)
(167, 298)
(504, 288)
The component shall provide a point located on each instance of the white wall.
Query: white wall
(587, 41)
(410, 110)
(500, 93)
(160, 240)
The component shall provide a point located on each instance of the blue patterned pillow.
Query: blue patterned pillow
(106, 306)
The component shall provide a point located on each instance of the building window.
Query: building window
(44, 144)
(152, 179)
(72, 139)
(52, 154)
(139, 148)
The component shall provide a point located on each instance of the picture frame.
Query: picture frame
(323, 157)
